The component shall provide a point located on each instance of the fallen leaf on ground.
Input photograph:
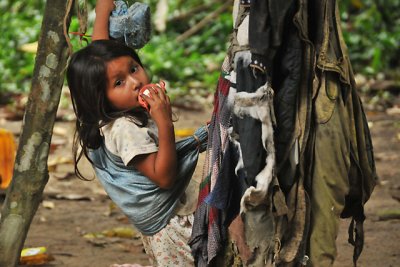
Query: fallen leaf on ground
(395, 110)
(57, 142)
(98, 242)
(54, 161)
(62, 175)
(35, 256)
(386, 156)
(128, 265)
(123, 232)
(112, 209)
(184, 132)
(48, 204)
(390, 214)
(73, 197)
(62, 131)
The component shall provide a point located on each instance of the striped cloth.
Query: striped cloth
(213, 213)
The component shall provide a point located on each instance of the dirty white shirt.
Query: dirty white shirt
(126, 139)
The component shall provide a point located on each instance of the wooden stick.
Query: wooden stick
(195, 10)
(202, 23)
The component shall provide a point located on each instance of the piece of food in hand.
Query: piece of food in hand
(145, 90)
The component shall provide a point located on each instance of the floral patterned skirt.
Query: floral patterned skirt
(169, 247)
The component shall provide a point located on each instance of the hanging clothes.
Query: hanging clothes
(318, 165)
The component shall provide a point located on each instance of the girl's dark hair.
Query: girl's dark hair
(87, 81)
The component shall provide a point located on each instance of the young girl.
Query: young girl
(133, 150)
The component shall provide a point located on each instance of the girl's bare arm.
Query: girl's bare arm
(160, 167)
(100, 28)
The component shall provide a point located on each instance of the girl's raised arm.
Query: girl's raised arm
(100, 28)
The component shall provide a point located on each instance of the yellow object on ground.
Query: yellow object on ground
(35, 256)
(184, 132)
(7, 157)
(123, 232)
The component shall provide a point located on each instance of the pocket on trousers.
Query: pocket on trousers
(325, 101)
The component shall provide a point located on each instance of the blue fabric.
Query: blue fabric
(148, 206)
(131, 25)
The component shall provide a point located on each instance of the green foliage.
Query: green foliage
(20, 23)
(193, 62)
(372, 33)
(181, 66)
(371, 29)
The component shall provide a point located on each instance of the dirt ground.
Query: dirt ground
(74, 213)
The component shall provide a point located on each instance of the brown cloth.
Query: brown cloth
(316, 104)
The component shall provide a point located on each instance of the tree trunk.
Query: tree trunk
(30, 171)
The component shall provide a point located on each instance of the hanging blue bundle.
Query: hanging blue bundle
(131, 25)
(148, 206)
